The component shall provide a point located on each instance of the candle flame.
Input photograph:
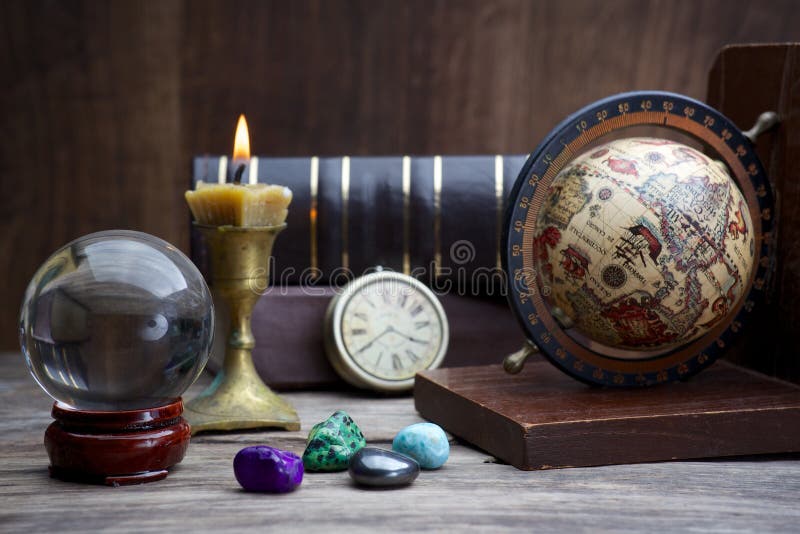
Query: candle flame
(241, 143)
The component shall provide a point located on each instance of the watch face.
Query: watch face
(386, 328)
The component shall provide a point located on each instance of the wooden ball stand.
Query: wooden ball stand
(116, 448)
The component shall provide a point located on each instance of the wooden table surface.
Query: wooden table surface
(469, 492)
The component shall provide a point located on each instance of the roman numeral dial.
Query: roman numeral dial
(383, 329)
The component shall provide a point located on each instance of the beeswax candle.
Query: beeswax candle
(239, 205)
(236, 204)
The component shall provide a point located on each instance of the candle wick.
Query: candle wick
(237, 176)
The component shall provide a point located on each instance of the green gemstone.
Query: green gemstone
(332, 443)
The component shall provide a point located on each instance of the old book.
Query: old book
(290, 354)
(437, 217)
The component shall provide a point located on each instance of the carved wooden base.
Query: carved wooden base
(116, 448)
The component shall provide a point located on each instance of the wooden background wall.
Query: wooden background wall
(102, 104)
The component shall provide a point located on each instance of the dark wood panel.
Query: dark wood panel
(90, 125)
(746, 81)
(102, 104)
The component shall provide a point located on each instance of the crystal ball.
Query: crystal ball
(643, 244)
(116, 320)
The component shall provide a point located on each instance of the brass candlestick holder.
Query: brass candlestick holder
(238, 398)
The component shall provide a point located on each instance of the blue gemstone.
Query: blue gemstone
(424, 442)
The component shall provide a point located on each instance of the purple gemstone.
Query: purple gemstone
(267, 469)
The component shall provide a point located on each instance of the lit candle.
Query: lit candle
(237, 204)
(241, 150)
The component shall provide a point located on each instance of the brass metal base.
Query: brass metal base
(238, 399)
(242, 402)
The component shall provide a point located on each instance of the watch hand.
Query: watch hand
(376, 338)
(410, 338)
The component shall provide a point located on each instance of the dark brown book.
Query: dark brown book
(438, 218)
(290, 353)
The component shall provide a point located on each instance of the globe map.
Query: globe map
(643, 244)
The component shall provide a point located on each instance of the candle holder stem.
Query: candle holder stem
(238, 398)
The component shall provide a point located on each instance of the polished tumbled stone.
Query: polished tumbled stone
(378, 467)
(332, 443)
(267, 469)
(424, 442)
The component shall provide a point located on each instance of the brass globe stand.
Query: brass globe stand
(238, 398)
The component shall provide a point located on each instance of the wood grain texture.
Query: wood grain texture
(744, 82)
(201, 494)
(544, 419)
(91, 135)
(102, 104)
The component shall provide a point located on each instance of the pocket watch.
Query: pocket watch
(382, 328)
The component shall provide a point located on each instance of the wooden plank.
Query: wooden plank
(542, 419)
(102, 104)
(201, 494)
(89, 99)
(745, 81)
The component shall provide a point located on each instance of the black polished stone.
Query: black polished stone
(378, 467)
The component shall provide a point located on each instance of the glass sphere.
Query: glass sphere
(644, 244)
(116, 320)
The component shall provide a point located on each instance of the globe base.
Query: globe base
(116, 448)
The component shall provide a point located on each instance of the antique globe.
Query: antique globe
(642, 246)
(116, 320)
